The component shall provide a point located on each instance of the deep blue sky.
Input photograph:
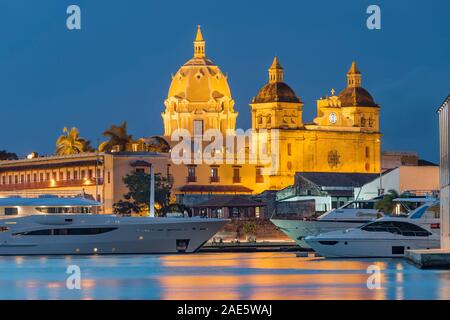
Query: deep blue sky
(119, 66)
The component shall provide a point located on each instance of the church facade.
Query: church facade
(343, 138)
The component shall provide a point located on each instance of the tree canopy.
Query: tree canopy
(138, 197)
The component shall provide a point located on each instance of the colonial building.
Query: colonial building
(96, 175)
(343, 138)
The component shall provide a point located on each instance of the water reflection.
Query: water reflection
(217, 276)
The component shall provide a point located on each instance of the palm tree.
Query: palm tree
(387, 204)
(87, 145)
(157, 144)
(118, 138)
(69, 142)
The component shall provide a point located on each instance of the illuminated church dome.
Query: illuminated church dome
(354, 94)
(199, 92)
(276, 90)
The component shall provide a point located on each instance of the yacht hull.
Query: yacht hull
(105, 234)
(369, 248)
(298, 230)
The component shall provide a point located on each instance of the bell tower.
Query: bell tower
(353, 76)
(199, 44)
(276, 72)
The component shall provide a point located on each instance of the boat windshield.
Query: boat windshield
(359, 205)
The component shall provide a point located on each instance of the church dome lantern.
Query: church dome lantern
(276, 90)
(355, 94)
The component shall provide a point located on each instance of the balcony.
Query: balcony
(214, 179)
(49, 184)
(191, 179)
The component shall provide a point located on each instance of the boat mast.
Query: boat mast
(152, 191)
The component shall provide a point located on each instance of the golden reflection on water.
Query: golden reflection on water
(311, 278)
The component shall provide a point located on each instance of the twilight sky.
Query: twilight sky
(119, 66)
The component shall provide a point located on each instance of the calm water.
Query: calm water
(216, 276)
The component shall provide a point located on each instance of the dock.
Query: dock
(262, 246)
(429, 259)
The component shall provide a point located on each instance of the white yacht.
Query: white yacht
(385, 237)
(351, 215)
(53, 225)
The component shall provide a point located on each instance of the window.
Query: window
(109, 177)
(61, 176)
(47, 176)
(269, 121)
(34, 177)
(66, 232)
(396, 227)
(140, 170)
(360, 205)
(198, 127)
(259, 175)
(191, 177)
(41, 176)
(236, 175)
(11, 211)
(367, 152)
(214, 177)
(54, 176)
(68, 175)
(289, 151)
(75, 175)
(3, 180)
(83, 174)
(28, 178)
(90, 173)
(22, 178)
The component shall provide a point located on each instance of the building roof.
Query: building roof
(444, 103)
(140, 163)
(230, 201)
(356, 96)
(424, 163)
(215, 188)
(333, 179)
(276, 92)
(23, 166)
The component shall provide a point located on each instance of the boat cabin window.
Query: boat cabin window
(64, 210)
(65, 232)
(359, 205)
(11, 211)
(3, 229)
(396, 227)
